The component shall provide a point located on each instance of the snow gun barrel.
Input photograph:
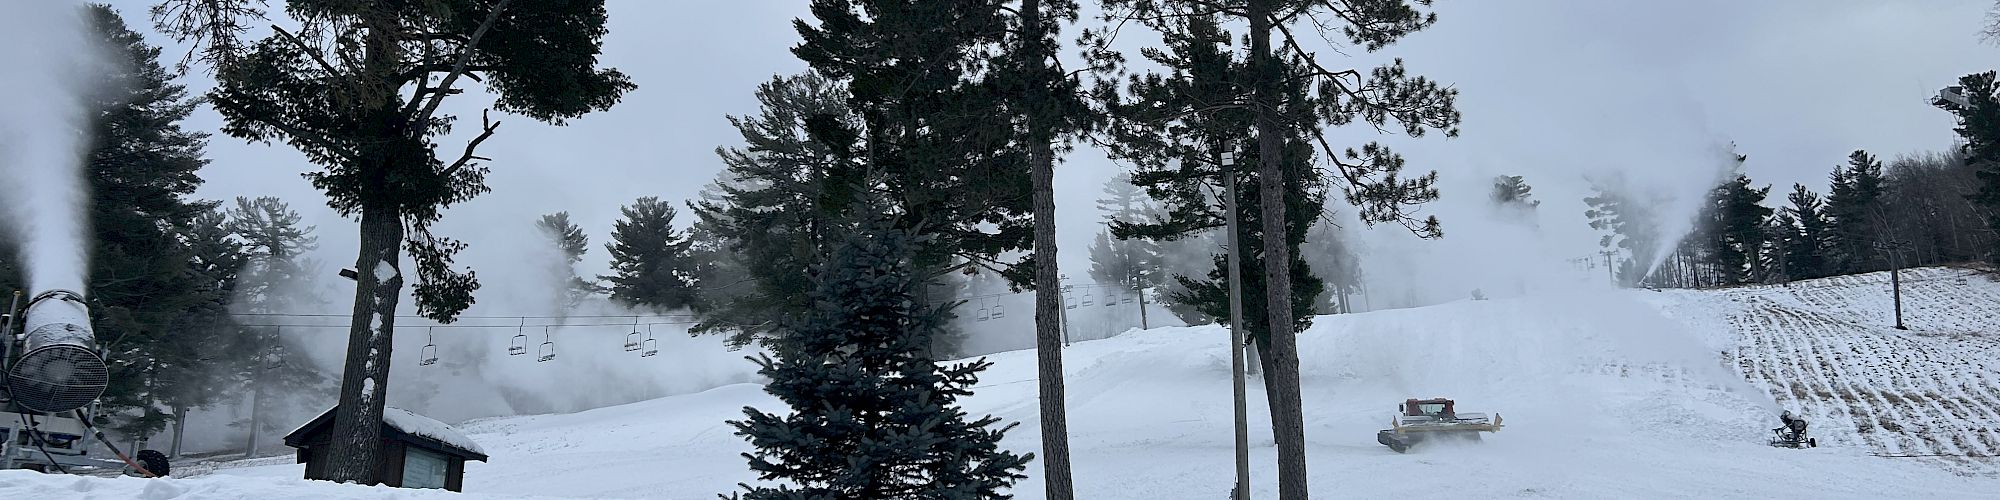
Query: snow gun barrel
(59, 369)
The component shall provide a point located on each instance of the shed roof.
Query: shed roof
(401, 424)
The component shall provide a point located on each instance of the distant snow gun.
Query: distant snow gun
(1793, 433)
(58, 368)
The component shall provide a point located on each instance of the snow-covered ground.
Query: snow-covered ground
(1625, 394)
(1829, 350)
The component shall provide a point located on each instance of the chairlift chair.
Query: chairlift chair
(519, 345)
(1125, 300)
(548, 350)
(633, 337)
(1086, 298)
(982, 314)
(998, 312)
(650, 346)
(429, 354)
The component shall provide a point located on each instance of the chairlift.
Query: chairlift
(1110, 301)
(519, 345)
(1125, 300)
(651, 346)
(548, 350)
(1086, 298)
(632, 339)
(982, 314)
(429, 354)
(998, 312)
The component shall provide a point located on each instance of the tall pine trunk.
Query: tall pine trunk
(180, 430)
(357, 425)
(1048, 277)
(256, 408)
(1287, 416)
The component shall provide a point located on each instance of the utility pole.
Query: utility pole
(1141, 290)
(1894, 250)
(1236, 343)
(1610, 270)
(1066, 287)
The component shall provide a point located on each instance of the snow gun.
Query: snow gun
(58, 368)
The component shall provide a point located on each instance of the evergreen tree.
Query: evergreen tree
(1630, 228)
(1736, 229)
(925, 133)
(1290, 98)
(1047, 104)
(1852, 214)
(873, 415)
(779, 201)
(570, 240)
(1979, 126)
(1514, 198)
(1511, 190)
(1134, 262)
(189, 377)
(650, 263)
(277, 278)
(141, 172)
(1326, 252)
(1804, 243)
(1147, 129)
(358, 89)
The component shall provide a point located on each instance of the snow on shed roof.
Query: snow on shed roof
(403, 421)
(419, 425)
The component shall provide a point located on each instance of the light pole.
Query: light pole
(1894, 250)
(1236, 343)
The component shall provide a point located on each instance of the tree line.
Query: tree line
(1916, 210)
(916, 153)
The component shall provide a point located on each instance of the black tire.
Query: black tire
(154, 462)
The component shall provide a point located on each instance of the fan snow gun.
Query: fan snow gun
(58, 367)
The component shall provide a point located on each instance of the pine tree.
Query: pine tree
(206, 329)
(873, 415)
(141, 173)
(1132, 262)
(1147, 127)
(1804, 243)
(1512, 190)
(570, 240)
(650, 263)
(277, 278)
(1514, 198)
(1291, 97)
(925, 132)
(1979, 126)
(358, 89)
(1630, 228)
(1852, 214)
(779, 200)
(1736, 228)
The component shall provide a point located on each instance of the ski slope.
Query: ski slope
(1606, 394)
(1829, 350)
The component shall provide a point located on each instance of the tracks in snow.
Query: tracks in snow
(1828, 350)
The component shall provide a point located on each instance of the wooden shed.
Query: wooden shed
(417, 451)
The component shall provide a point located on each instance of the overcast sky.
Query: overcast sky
(1550, 89)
